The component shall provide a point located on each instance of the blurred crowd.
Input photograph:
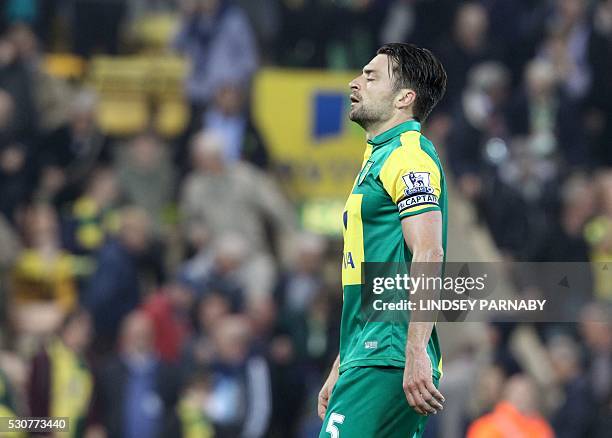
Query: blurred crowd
(157, 286)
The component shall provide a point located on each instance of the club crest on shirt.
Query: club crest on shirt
(417, 182)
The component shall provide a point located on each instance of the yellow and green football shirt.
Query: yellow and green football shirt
(401, 176)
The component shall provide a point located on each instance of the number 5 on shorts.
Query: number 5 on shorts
(331, 426)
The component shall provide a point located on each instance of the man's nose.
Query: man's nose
(354, 85)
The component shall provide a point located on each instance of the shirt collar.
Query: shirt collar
(409, 125)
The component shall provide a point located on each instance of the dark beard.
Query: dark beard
(363, 117)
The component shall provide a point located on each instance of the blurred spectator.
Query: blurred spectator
(598, 233)
(44, 272)
(480, 119)
(224, 271)
(168, 310)
(114, 290)
(96, 26)
(137, 389)
(489, 388)
(599, 103)
(50, 93)
(596, 330)
(213, 182)
(199, 351)
(146, 176)
(299, 352)
(567, 45)
(499, 335)
(191, 420)
(522, 181)
(400, 22)
(303, 282)
(565, 241)
(229, 118)
(516, 415)
(240, 403)
(69, 154)
(17, 173)
(265, 18)
(545, 114)
(468, 45)
(572, 418)
(16, 80)
(92, 218)
(61, 381)
(217, 37)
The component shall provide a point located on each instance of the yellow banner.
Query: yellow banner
(302, 114)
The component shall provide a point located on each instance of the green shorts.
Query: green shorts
(369, 402)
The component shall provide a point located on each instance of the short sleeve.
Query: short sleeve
(412, 179)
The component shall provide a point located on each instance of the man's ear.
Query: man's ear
(405, 98)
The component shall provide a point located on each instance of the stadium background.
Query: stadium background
(178, 169)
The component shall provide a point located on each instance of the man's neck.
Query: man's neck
(388, 124)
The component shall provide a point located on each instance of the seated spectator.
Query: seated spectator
(61, 381)
(137, 389)
(169, 310)
(69, 154)
(44, 272)
(146, 176)
(92, 218)
(113, 290)
(516, 414)
(229, 118)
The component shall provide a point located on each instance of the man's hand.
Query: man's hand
(327, 389)
(418, 385)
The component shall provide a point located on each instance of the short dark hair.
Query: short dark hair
(416, 68)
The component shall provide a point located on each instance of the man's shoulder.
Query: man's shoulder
(410, 147)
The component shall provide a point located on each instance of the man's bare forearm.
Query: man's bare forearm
(425, 264)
